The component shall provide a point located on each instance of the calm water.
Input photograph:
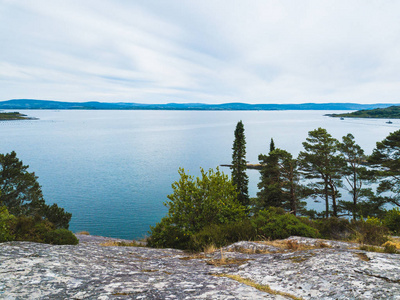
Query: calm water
(113, 169)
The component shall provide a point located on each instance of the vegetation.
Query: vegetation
(392, 112)
(9, 116)
(206, 212)
(195, 203)
(239, 176)
(24, 215)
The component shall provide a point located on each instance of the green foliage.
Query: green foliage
(22, 194)
(370, 231)
(392, 112)
(280, 182)
(386, 159)
(274, 223)
(321, 161)
(222, 235)
(334, 228)
(195, 204)
(5, 220)
(60, 236)
(239, 176)
(31, 229)
(392, 220)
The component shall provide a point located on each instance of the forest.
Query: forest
(392, 112)
(214, 209)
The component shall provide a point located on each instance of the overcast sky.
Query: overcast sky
(209, 51)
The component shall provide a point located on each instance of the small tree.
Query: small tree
(239, 176)
(194, 204)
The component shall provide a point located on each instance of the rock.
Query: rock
(90, 271)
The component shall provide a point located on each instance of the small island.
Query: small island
(9, 116)
(392, 112)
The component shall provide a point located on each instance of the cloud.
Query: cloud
(152, 51)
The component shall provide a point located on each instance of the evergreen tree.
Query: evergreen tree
(321, 160)
(386, 160)
(355, 174)
(239, 176)
(280, 182)
(271, 145)
(22, 194)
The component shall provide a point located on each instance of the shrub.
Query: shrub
(389, 247)
(194, 205)
(369, 231)
(274, 223)
(5, 219)
(222, 235)
(32, 229)
(392, 220)
(334, 228)
(61, 236)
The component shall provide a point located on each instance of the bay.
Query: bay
(113, 169)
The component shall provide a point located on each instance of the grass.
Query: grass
(260, 287)
(83, 232)
(227, 261)
(362, 256)
(111, 243)
(293, 245)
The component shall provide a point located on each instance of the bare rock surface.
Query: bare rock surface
(90, 271)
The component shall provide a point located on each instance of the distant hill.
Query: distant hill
(392, 112)
(46, 104)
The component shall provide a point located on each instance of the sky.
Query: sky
(206, 51)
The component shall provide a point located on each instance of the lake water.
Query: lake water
(113, 169)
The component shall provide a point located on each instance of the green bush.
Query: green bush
(392, 220)
(334, 228)
(274, 223)
(167, 235)
(31, 229)
(369, 231)
(222, 235)
(5, 220)
(195, 204)
(61, 236)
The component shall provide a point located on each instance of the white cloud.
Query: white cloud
(152, 51)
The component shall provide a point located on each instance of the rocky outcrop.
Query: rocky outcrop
(324, 270)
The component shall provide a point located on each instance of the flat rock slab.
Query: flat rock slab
(90, 271)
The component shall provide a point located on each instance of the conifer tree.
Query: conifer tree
(239, 176)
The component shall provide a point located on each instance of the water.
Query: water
(113, 169)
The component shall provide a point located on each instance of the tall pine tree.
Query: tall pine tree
(239, 176)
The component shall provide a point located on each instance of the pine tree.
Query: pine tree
(239, 176)
(321, 160)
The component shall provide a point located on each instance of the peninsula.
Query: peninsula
(9, 116)
(391, 112)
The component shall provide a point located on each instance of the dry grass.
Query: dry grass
(362, 256)
(227, 261)
(111, 243)
(260, 287)
(210, 249)
(83, 232)
(293, 245)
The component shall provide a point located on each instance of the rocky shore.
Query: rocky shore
(307, 269)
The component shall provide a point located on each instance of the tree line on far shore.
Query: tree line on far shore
(215, 209)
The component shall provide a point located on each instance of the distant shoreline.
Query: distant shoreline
(19, 104)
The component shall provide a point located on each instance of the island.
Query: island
(9, 116)
(392, 112)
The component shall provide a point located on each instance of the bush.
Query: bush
(334, 228)
(194, 205)
(369, 231)
(274, 223)
(222, 235)
(31, 229)
(392, 220)
(5, 220)
(61, 237)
